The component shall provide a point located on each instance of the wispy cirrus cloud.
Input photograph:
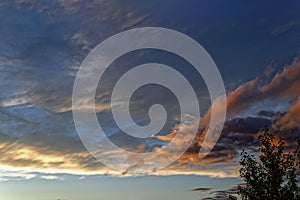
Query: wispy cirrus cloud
(34, 151)
(41, 48)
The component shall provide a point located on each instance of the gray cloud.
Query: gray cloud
(201, 189)
(43, 43)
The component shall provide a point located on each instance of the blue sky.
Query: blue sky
(102, 187)
(42, 44)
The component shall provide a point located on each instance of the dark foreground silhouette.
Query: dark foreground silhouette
(274, 174)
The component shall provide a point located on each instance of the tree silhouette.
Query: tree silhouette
(273, 176)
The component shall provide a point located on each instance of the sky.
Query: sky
(254, 44)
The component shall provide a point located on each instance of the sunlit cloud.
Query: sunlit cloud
(51, 177)
(39, 60)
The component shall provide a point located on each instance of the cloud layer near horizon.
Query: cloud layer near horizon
(27, 150)
(41, 49)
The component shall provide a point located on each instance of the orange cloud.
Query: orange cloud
(291, 119)
(285, 84)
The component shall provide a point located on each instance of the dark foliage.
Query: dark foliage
(273, 175)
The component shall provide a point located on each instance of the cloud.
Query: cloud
(284, 28)
(33, 149)
(291, 119)
(9, 174)
(41, 49)
(59, 154)
(241, 132)
(48, 54)
(34, 153)
(214, 170)
(225, 194)
(238, 133)
(51, 177)
(201, 189)
(245, 125)
(266, 113)
(285, 84)
(269, 70)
